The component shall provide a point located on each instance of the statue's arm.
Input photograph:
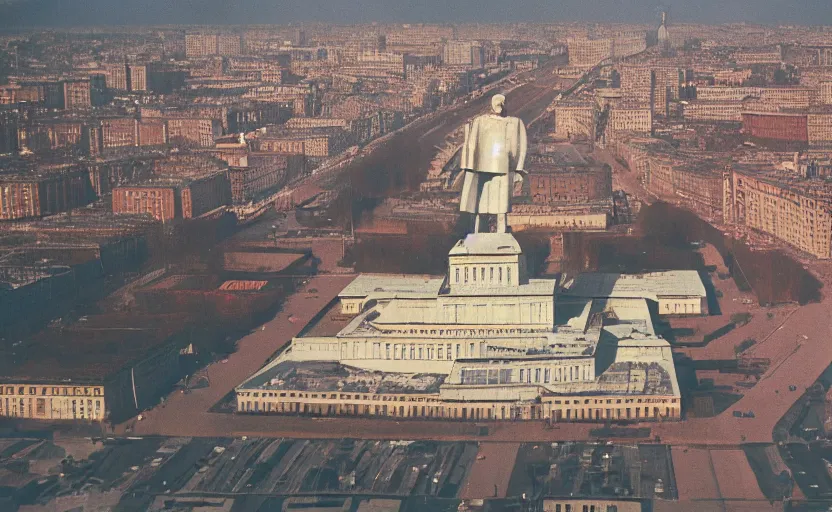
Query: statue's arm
(468, 147)
(522, 146)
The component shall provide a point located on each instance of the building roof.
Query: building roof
(673, 283)
(481, 244)
(91, 350)
(392, 286)
(331, 376)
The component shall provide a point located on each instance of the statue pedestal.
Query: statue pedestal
(487, 260)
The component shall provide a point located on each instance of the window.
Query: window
(537, 375)
(387, 351)
(457, 275)
(482, 274)
(449, 351)
(522, 374)
(546, 375)
(412, 351)
(420, 353)
(508, 275)
(466, 275)
(491, 273)
(458, 350)
(41, 406)
(500, 275)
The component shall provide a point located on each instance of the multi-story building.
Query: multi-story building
(825, 93)
(314, 142)
(776, 126)
(652, 84)
(630, 118)
(229, 45)
(794, 209)
(462, 53)
(748, 56)
(585, 53)
(732, 77)
(264, 172)
(575, 119)
(819, 128)
(118, 132)
(171, 197)
(51, 135)
(138, 77)
(555, 184)
(200, 45)
(8, 130)
(776, 97)
(193, 131)
(117, 77)
(36, 194)
(703, 110)
(152, 132)
(77, 94)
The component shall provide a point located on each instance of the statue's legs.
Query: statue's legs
(502, 224)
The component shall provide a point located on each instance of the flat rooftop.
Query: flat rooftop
(673, 283)
(392, 285)
(89, 351)
(325, 376)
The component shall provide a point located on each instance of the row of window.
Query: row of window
(567, 507)
(527, 375)
(54, 391)
(609, 401)
(331, 396)
(430, 351)
(470, 273)
(26, 408)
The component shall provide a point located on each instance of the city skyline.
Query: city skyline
(58, 13)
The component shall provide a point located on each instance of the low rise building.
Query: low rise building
(105, 369)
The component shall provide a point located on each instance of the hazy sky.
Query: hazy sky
(92, 12)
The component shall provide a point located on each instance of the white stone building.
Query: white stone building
(484, 342)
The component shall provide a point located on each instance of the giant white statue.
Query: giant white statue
(492, 157)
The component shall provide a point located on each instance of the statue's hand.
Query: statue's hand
(519, 176)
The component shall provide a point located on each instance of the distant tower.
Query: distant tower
(664, 36)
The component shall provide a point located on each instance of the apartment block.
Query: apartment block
(794, 209)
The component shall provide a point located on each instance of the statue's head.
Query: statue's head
(498, 104)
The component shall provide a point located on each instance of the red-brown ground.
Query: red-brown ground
(493, 467)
